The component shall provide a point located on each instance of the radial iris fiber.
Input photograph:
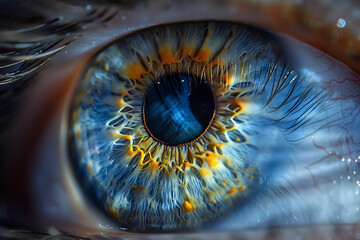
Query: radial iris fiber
(129, 123)
(178, 109)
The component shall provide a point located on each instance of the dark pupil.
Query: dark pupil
(178, 109)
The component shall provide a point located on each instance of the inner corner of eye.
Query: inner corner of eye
(164, 133)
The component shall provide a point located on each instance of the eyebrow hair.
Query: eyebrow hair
(32, 32)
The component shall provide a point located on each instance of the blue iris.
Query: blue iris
(178, 109)
(221, 87)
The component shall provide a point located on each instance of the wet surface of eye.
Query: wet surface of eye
(178, 109)
(171, 127)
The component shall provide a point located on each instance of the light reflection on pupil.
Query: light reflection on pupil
(178, 109)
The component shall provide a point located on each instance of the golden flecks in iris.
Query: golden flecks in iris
(235, 190)
(121, 103)
(204, 171)
(232, 191)
(106, 67)
(166, 55)
(134, 70)
(187, 165)
(154, 165)
(203, 55)
(228, 80)
(211, 159)
(138, 188)
(222, 129)
(187, 51)
(143, 149)
(212, 201)
(188, 207)
(121, 98)
(242, 104)
(131, 153)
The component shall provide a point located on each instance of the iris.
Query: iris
(167, 124)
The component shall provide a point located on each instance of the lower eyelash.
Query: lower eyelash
(147, 185)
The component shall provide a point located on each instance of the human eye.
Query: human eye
(64, 197)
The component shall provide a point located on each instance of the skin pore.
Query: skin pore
(313, 22)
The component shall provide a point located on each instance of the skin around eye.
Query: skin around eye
(69, 82)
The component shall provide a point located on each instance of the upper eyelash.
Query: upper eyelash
(41, 42)
(27, 48)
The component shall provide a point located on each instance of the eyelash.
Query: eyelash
(42, 42)
(20, 61)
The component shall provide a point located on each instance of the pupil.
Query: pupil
(178, 109)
